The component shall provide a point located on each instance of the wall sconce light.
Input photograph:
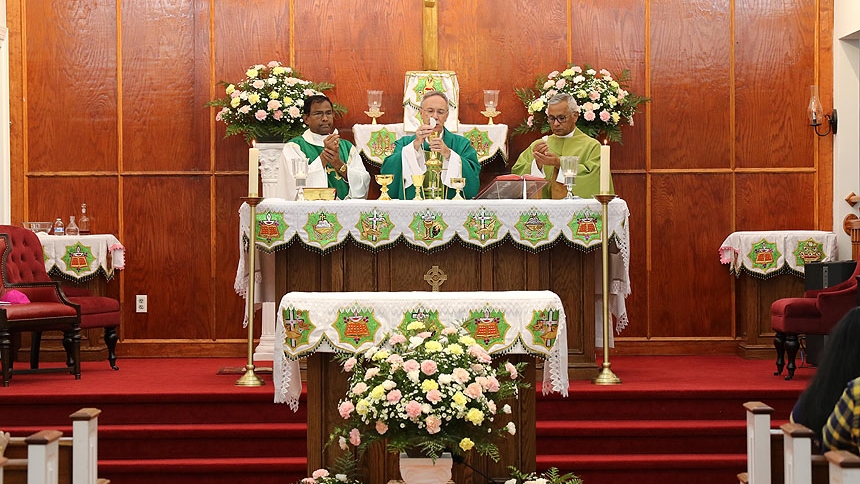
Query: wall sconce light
(815, 112)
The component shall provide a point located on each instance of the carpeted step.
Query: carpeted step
(649, 468)
(262, 470)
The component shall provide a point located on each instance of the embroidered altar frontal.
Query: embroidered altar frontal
(502, 322)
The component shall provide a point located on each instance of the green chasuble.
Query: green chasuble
(393, 164)
(313, 152)
(587, 175)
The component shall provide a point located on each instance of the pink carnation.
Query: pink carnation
(424, 334)
(434, 424)
(560, 83)
(511, 369)
(460, 375)
(449, 331)
(428, 367)
(309, 480)
(474, 390)
(552, 74)
(278, 114)
(381, 427)
(273, 104)
(260, 115)
(604, 115)
(273, 64)
(397, 339)
(394, 396)
(413, 409)
(480, 353)
(294, 112)
(259, 84)
(349, 364)
(319, 473)
(395, 359)
(345, 409)
(245, 109)
(594, 95)
(491, 406)
(410, 365)
(531, 121)
(434, 396)
(354, 437)
(589, 116)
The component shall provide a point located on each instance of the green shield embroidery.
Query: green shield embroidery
(586, 225)
(322, 228)
(429, 318)
(488, 326)
(544, 327)
(381, 143)
(78, 258)
(483, 225)
(425, 84)
(808, 251)
(356, 326)
(428, 226)
(297, 327)
(270, 227)
(374, 226)
(764, 255)
(480, 141)
(534, 226)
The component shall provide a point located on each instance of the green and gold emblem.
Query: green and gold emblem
(428, 226)
(270, 227)
(764, 255)
(427, 84)
(374, 226)
(544, 327)
(808, 251)
(483, 225)
(534, 226)
(488, 326)
(480, 141)
(322, 227)
(297, 327)
(429, 318)
(78, 258)
(586, 225)
(381, 143)
(356, 325)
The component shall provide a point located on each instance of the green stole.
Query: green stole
(334, 179)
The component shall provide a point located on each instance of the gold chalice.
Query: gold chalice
(418, 183)
(384, 181)
(458, 183)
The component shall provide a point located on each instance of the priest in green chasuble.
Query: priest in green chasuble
(459, 158)
(332, 162)
(541, 158)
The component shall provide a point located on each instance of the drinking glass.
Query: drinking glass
(569, 165)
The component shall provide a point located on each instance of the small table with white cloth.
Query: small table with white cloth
(773, 262)
(510, 325)
(82, 257)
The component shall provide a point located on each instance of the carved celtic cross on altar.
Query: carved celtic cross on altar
(435, 277)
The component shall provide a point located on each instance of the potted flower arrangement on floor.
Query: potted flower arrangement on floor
(427, 390)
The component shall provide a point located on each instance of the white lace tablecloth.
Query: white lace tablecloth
(324, 226)
(767, 253)
(520, 322)
(82, 257)
(376, 141)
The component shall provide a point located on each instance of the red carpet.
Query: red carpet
(673, 419)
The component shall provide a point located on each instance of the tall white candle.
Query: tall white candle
(605, 172)
(253, 172)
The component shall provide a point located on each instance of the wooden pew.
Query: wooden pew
(844, 467)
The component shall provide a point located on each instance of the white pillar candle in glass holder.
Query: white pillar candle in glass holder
(374, 100)
(491, 99)
(300, 173)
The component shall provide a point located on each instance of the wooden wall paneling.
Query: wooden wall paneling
(689, 290)
(775, 201)
(52, 197)
(228, 307)
(165, 69)
(824, 61)
(17, 73)
(690, 84)
(167, 237)
(611, 35)
(359, 46)
(246, 32)
(633, 189)
(774, 67)
(71, 76)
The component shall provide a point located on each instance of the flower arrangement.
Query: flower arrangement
(430, 389)
(342, 472)
(550, 476)
(605, 102)
(267, 103)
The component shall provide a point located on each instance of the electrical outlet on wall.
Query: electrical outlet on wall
(140, 305)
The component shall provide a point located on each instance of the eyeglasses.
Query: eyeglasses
(321, 114)
(440, 112)
(553, 119)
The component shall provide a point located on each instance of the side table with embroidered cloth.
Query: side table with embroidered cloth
(82, 257)
(505, 323)
(773, 263)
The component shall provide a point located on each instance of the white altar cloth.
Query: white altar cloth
(520, 322)
(767, 253)
(82, 257)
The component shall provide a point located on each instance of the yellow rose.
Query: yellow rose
(415, 325)
(230, 88)
(274, 95)
(433, 346)
(377, 393)
(467, 340)
(235, 102)
(288, 100)
(536, 105)
(380, 355)
(581, 93)
(459, 399)
(253, 98)
(278, 70)
(475, 416)
(466, 444)
(428, 385)
(567, 72)
(252, 73)
(455, 349)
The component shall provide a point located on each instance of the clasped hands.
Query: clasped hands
(545, 157)
(329, 155)
(436, 144)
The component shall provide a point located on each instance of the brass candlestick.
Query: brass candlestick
(491, 113)
(250, 379)
(374, 113)
(605, 377)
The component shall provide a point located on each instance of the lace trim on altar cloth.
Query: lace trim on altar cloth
(287, 375)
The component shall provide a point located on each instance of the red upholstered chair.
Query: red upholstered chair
(23, 269)
(817, 312)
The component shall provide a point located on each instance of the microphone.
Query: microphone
(459, 460)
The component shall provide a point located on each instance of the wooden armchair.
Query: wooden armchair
(22, 266)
